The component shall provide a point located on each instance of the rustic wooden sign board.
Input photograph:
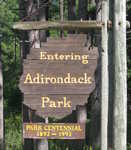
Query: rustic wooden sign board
(59, 76)
(56, 78)
(53, 131)
(54, 105)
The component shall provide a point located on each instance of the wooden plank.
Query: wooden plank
(61, 78)
(70, 37)
(61, 67)
(53, 131)
(67, 48)
(68, 40)
(62, 86)
(57, 106)
(64, 44)
(39, 54)
(65, 25)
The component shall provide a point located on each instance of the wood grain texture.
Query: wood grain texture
(35, 103)
(75, 92)
(65, 25)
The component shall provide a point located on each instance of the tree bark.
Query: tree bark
(71, 12)
(65, 25)
(33, 38)
(43, 17)
(33, 35)
(71, 9)
(82, 10)
(62, 15)
(27, 144)
(95, 98)
(120, 76)
(111, 80)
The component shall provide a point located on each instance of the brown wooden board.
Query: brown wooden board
(53, 131)
(57, 106)
(43, 54)
(67, 48)
(65, 77)
(69, 70)
(67, 41)
(67, 88)
(64, 44)
(69, 37)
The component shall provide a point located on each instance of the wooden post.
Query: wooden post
(81, 114)
(65, 25)
(104, 77)
(43, 144)
(1, 105)
(81, 118)
(120, 76)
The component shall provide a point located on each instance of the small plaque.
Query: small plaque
(53, 131)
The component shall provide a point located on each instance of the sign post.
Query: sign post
(120, 75)
(104, 77)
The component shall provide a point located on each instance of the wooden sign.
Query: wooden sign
(53, 131)
(59, 76)
(57, 106)
(59, 73)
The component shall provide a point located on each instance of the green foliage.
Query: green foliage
(10, 56)
(129, 147)
(13, 138)
(128, 44)
(11, 73)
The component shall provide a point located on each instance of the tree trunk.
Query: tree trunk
(71, 12)
(1, 105)
(28, 144)
(62, 15)
(95, 98)
(120, 76)
(71, 9)
(33, 35)
(82, 10)
(43, 14)
(111, 80)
